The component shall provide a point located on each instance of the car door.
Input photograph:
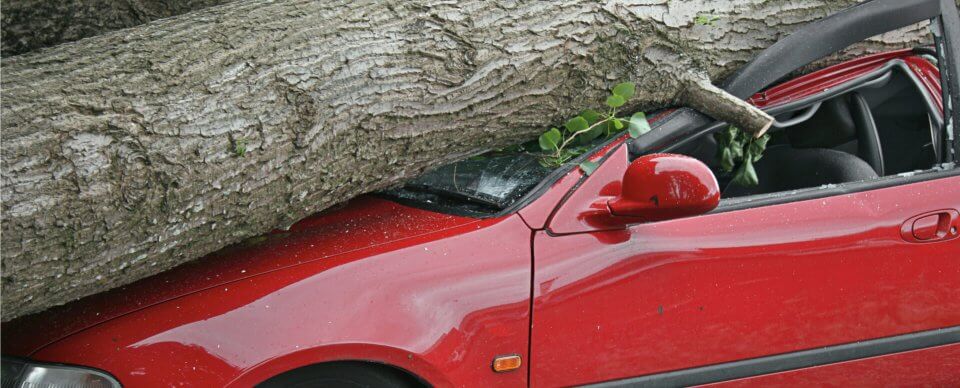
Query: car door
(746, 284)
(809, 286)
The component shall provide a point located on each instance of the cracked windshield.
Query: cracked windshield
(482, 184)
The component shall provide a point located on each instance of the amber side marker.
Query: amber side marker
(506, 363)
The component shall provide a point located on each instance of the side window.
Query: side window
(884, 123)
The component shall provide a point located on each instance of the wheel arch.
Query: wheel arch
(409, 363)
(394, 374)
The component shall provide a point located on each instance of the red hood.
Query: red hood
(362, 223)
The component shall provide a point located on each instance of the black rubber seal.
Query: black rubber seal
(830, 34)
(791, 361)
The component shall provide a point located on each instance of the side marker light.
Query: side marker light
(506, 363)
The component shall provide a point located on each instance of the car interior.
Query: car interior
(882, 124)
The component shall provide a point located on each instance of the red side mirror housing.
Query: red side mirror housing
(665, 186)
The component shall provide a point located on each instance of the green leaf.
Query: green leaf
(726, 160)
(757, 146)
(588, 167)
(750, 173)
(617, 124)
(577, 124)
(240, 147)
(722, 141)
(763, 141)
(746, 175)
(625, 90)
(593, 133)
(705, 20)
(615, 101)
(591, 116)
(638, 125)
(736, 149)
(550, 140)
(733, 132)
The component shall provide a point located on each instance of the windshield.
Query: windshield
(482, 184)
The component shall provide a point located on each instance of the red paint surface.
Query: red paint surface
(378, 221)
(433, 304)
(830, 77)
(441, 295)
(722, 287)
(665, 186)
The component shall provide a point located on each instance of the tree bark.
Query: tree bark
(121, 153)
(32, 24)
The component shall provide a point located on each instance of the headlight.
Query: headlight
(19, 373)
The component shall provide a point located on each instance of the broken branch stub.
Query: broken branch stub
(699, 93)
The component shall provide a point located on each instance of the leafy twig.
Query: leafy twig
(590, 125)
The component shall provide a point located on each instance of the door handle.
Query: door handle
(938, 225)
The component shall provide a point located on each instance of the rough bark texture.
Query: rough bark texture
(120, 152)
(31, 24)
(700, 94)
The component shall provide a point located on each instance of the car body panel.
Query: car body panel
(536, 213)
(721, 287)
(539, 211)
(333, 232)
(599, 280)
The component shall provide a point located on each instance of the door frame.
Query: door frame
(833, 33)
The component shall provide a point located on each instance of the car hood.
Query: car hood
(361, 223)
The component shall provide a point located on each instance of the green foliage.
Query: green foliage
(638, 125)
(705, 19)
(550, 140)
(591, 116)
(738, 151)
(560, 146)
(625, 90)
(240, 147)
(577, 124)
(615, 101)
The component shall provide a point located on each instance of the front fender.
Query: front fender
(441, 305)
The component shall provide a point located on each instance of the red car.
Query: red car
(841, 266)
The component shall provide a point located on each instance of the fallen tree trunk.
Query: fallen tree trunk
(32, 24)
(126, 154)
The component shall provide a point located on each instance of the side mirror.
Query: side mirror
(664, 186)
